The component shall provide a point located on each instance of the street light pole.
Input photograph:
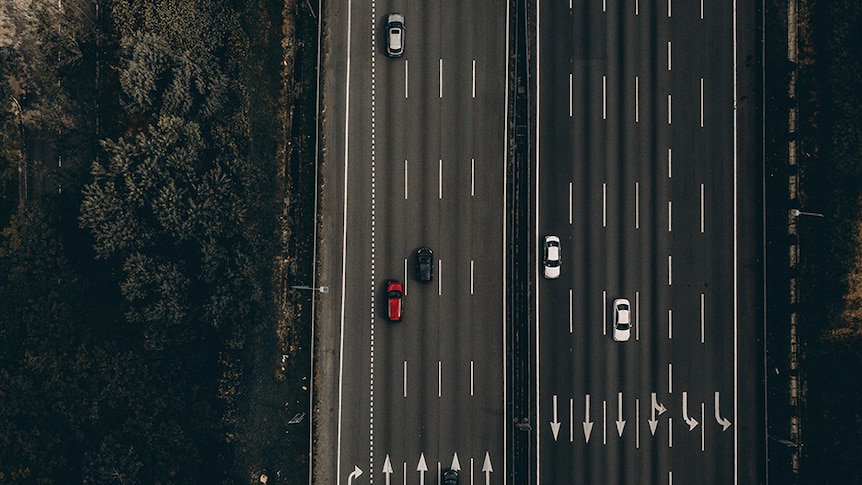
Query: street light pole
(797, 213)
(322, 289)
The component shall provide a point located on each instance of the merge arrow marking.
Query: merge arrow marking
(555, 424)
(588, 425)
(691, 422)
(724, 422)
(620, 422)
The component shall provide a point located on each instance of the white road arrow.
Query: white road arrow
(422, 468)
(724, 422)
(486, 468)
(555, 424)
(355, 473)
(620, 422)
(656, 406)
(691, 422)
(387, 469)
(456, 465)
(588, 425)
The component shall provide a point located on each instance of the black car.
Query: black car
(425, 265)
(450, 477)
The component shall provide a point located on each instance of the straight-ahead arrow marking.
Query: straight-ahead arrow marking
(724, 422)
(588, 425)
(691, 422)
(487, 469)
(387, 469)
(456, 465)
(620, 422)
(555, 424)
(422, 468)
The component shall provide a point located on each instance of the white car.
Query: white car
(622, 320)
(552, 258)
(395, 35)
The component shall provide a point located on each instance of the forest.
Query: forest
(142, 181)
(830, 268)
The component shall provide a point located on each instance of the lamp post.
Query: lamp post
(797, 213)
(322, 289)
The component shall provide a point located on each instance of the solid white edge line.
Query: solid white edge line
(504, 212)
(735, 265)
(536, 236)
(343, 250)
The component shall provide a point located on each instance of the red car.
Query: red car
(394, 292)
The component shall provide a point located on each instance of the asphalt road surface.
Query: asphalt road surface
(648, 167)
(649, 171)
(415, 156)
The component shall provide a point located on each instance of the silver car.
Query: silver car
(552, 258)
(622, 320)
(395, 35)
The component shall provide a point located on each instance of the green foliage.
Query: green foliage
(124, 362)
(161, 81)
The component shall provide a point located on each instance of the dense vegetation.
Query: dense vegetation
(831, 181)
(134, 279)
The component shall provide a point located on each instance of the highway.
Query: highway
(648, 170)
(415, 156)
(645, 161)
